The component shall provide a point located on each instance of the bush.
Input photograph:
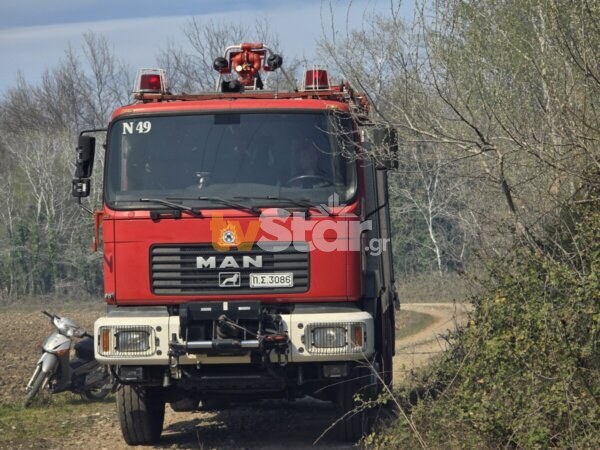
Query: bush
(526, 372)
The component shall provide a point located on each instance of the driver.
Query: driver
(307, 171)
(306, 160)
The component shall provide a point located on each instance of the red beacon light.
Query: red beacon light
(151, 81)
(316, 79)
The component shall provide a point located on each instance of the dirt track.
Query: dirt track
(415, 350)
(257, 426)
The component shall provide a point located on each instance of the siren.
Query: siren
(151, 81)
(316, 79)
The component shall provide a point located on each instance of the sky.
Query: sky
(35, 33)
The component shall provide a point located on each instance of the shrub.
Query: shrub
(526, 372)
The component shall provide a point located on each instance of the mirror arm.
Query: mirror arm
(85, 208)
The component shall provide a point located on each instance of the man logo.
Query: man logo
(229, 279)
(228, 262)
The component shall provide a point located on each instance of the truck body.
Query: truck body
(246, 240)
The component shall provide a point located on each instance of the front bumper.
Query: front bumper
(150, 336)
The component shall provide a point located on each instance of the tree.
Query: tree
(44, 238)
(505, 91)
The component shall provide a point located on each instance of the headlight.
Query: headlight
(68, 327)
(133, 341)
(125, 341)
(77, 332)
(334, 338)
(329, 337)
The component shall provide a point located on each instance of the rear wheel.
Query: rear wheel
(40, 380)
(92, 395)
(185, 404)
(141, 413)
(352, 397)
(100, 379)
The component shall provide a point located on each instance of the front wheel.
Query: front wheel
(141, 413)
(386, 353)
(353, 396)
(41, 378)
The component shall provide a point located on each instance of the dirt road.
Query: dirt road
(415, 350)
(265, 425)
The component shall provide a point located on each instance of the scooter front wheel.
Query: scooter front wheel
(40, 381)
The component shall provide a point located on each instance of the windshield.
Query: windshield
(295, 155)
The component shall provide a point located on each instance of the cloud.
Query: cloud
(33, 49)
(44, 12)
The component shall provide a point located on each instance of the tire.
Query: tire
(94, 395)
(40, 380)
(141, 413)
(185, 405)
(386, 352)
(353, 418)
(100, 392)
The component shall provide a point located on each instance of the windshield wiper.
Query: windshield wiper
(223, 201)
(176, 206)
(295, 201)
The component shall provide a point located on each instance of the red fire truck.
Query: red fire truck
(246, 249)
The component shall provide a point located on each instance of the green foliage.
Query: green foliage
(526, 372)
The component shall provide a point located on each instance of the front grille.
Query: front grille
(174, 269)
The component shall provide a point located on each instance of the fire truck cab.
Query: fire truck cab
(246, 240)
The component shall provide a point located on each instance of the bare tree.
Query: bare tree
(505, 93)
(80, 92)
(44, 238)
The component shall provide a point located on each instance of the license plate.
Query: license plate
(280, 279)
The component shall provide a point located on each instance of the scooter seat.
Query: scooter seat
(75, 363)
(84, 349)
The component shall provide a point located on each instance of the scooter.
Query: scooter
(82, 374)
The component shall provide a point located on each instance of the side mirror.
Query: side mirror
(385, 140)
(84, 163)
(80, 187)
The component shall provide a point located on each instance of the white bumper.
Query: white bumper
(308, 335)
